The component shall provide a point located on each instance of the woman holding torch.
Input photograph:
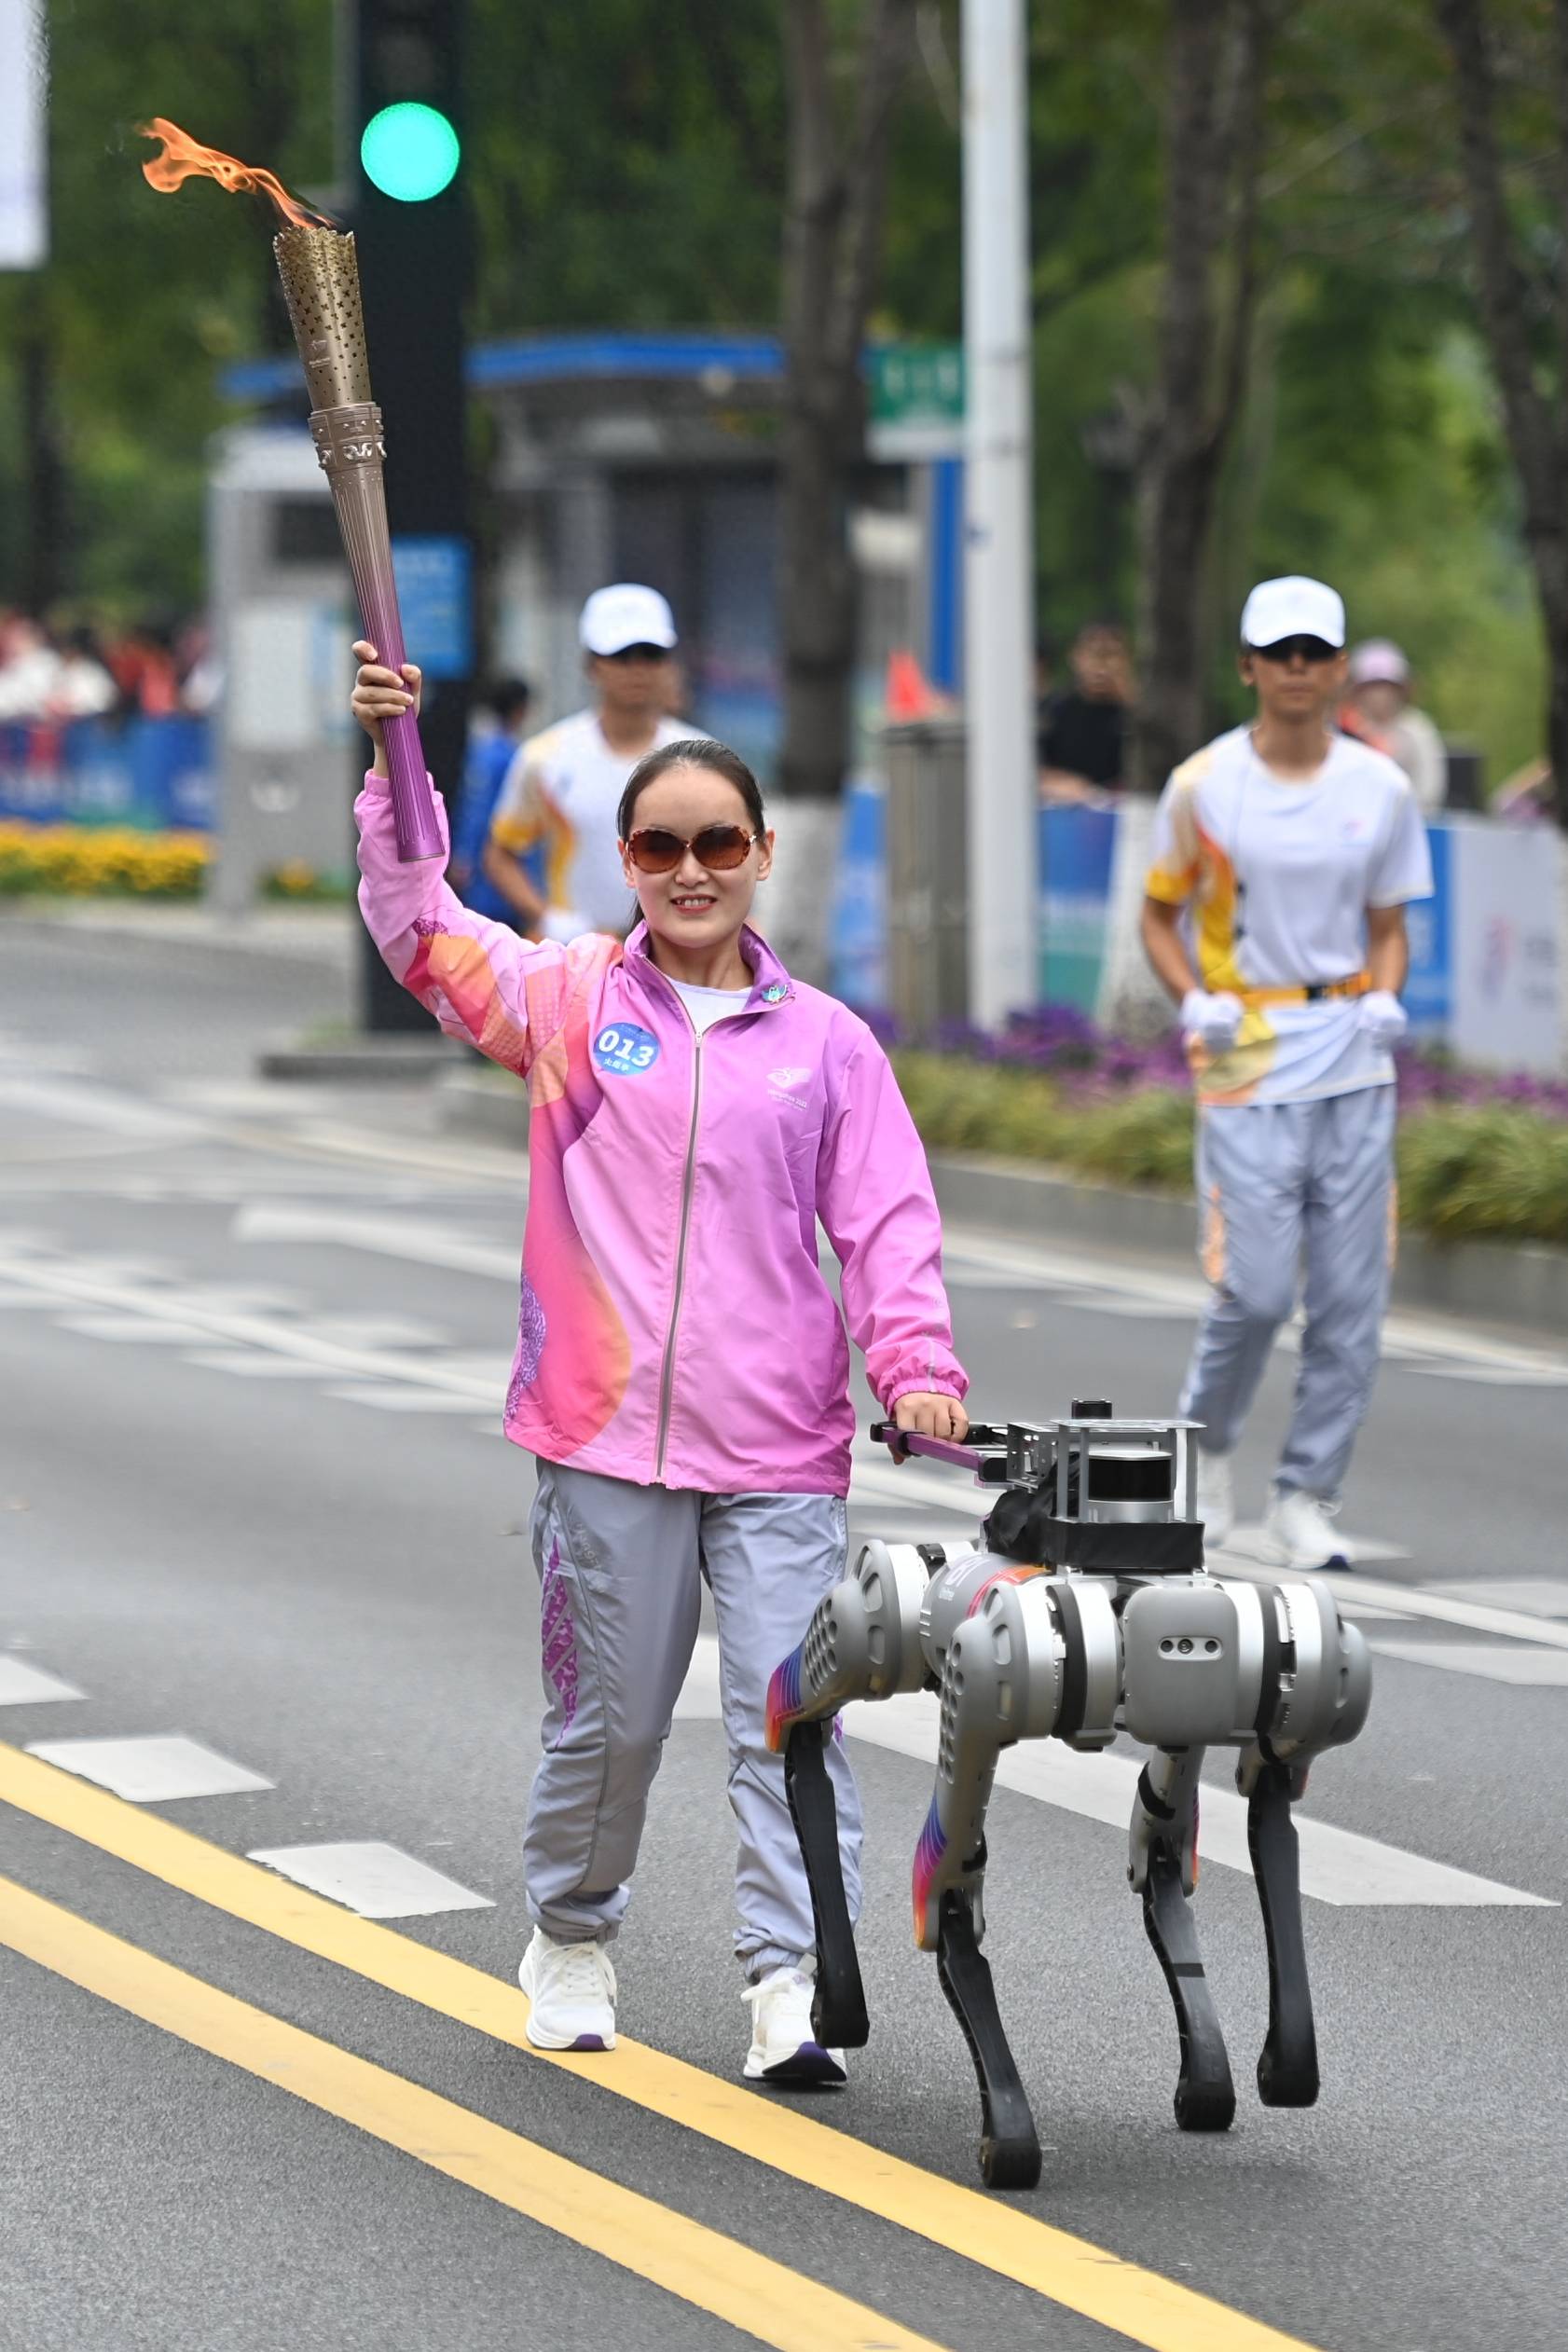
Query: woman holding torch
(682, 1373)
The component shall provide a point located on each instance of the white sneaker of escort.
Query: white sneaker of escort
(571, 1994)
(1301, 1528)
(1217, 1502)
(784, 2047)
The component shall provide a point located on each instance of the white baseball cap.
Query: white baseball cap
(1293, 607)
(626, 614)
(1378, 663)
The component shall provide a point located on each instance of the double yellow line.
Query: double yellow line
(763, 2299)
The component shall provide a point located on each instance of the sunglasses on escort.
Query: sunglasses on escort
(718, 848)
(1312, 649)
(627, 653)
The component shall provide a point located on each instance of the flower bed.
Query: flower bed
(1480, 1157)
(88, 861)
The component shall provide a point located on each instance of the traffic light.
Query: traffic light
(411, 222)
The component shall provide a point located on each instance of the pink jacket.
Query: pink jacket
(675, 1328)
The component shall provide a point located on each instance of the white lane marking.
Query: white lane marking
(249, 1364)
(90, 1103)
(1494, 1661)
(81, 1280)
(1407, 1334)
(404, 1398)
(25, 1686)
(377, 1330)
(1538, 1596)
(153, 1769)
(1337, 1866)
(146, 1330)
(377, 1880)
(1353, 1591)
(1497, 1375)
(416, 1240)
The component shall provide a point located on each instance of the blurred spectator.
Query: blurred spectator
(1381, 713)
(201, 673)
(1083, 739)
(29, 671)
(142, 659)
(492, 752)
(83, 688)
(1525, 798)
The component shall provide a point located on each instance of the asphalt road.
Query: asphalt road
(252, 1345)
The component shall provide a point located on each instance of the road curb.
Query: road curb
(375, 1061)
(1496, 1282)
(1499, 1281)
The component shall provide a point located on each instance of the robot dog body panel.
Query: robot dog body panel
(1119, 1628)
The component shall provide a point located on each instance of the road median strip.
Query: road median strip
(1150, 2310)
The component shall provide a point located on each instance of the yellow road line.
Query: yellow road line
(1152, 2311)
(761, 2298)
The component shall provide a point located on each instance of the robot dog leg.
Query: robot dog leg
(863, 1641)
(1318, 1687)
(1002, 1679)
(1163, 1869)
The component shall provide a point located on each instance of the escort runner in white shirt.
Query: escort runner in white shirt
(555, 810)
(1285, 854)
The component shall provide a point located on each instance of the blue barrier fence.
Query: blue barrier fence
(149, 773)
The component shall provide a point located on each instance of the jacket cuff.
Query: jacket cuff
(957, 1389)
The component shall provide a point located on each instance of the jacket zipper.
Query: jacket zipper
(688, 1185)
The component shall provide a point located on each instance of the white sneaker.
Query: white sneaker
(571, 1994)
(784, 2048)
(1300, 1527)
(1216, 1503)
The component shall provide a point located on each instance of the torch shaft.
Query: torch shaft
(349, 445)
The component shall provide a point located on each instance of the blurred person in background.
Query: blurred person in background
(560, 796)
(492, 752)
(142, 660)
(1082, 739)
(1381, 713)
(29, 670)
(1285, 853)
(83, 688)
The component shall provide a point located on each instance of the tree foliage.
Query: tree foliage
(628, 169)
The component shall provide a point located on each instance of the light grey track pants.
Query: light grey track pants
(1277, 1183)
(620, 1596)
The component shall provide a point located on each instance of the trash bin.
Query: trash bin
(927, 875)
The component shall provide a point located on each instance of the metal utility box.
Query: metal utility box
(927, 875)
(283, 624)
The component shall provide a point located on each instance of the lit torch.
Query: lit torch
(320, 271)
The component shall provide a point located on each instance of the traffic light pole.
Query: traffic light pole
(1001, 793)
(415, 247)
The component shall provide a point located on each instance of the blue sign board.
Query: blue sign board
(435, 596)
(1429, 992)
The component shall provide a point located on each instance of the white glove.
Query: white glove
(1381, 1019)
(563, 923)
(1213, 1021)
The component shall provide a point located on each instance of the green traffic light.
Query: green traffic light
(410, 152)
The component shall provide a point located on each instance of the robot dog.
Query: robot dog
(1084, 1611)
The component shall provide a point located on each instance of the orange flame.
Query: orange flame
(184, 157)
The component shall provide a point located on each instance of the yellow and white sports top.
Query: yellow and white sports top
(1277, 878)
(563, 790)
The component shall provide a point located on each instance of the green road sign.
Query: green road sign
(916, 384)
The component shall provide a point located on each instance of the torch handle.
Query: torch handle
(349, 445)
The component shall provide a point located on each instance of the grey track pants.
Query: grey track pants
(620, 1594)
(1279, 1183)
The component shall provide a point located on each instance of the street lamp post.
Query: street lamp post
(1000, 537)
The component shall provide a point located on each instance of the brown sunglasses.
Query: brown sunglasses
(718, 848)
